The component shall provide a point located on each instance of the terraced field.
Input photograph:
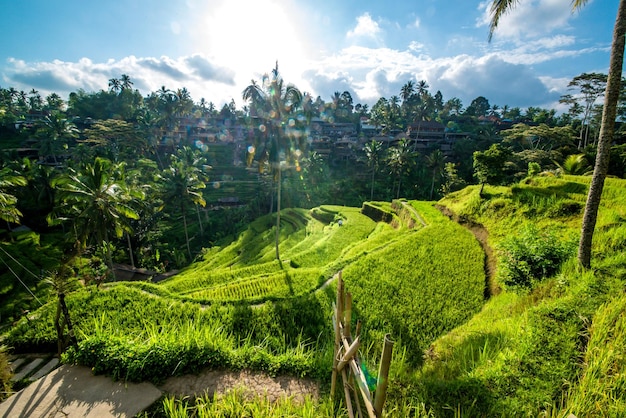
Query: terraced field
(239, 307)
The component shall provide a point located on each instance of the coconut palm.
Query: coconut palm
(436, 161)
(125, 82)
(183, 185)
(54, 132)
(400, 159)
(373, 153)
(607, 127)
(8, 209)
(97, 202)
(274, 102)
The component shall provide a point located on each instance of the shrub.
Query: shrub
(5, 374)
(532, 255)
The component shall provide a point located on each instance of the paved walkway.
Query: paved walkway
(73, 391)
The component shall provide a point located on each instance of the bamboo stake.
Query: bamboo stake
(346, 392)
(383, 376)
(360, 380)
(337, 323)
(348, 315)
(350, 353)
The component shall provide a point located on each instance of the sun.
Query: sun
(250, 36)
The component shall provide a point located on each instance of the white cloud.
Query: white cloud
(416, 46)
(199, 74)
(365, 27)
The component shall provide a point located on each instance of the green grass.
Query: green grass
(552, 350)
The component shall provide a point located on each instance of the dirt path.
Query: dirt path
(482, 236)
(250, 383)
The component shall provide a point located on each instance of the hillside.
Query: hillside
(237, 307)
(540, 338)
(553, 347)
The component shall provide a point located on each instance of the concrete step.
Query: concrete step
(27, 369)
(47, 368)
(15, 364)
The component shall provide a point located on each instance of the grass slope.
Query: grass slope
(552, 350)
(238, 308)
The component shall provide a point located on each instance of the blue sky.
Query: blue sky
(370, 48)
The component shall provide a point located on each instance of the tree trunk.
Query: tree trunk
(372, 187)
(199, 221)
(130, 250)
(107, 251)
(278, 187)
(182, 208)
(613, 88)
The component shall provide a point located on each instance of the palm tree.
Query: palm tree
(54, 131)
(115, 85)
(183, 185)
(609, 112)
(575, 164)
(275, 103)
(8, 180)
(400, 159)
(125, 83)
(97, 202)
(373, 153)
(436, 161)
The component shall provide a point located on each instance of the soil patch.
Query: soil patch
(252, 384)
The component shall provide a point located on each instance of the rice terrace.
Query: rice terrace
(288, 253)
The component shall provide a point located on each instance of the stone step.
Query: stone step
(47, 368)
(28, 369)
(15, 364)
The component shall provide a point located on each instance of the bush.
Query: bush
(5, 374)
(532, 255)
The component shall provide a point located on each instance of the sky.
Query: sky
(371, 48)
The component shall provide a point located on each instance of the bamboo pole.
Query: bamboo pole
(347, 320)
(346, 392)
(360, 380)
(337, 323)
(383, 376)
(350, 353)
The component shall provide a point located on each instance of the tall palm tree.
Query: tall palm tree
(436, 161)
(54, 132)
(400, 159)
(609, 112)
(97, 203)
(115, 85)
(275, 102)
(125, 82)
(183, 185)
(373, 153)
(8, 180)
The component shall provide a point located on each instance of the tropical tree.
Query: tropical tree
(115, 85)
(607, 127)
(575, 164)
(125, 82)
(590, 87)
(400, 159)
(274, 103)
(183, 186)
(54, 133)
(436, 161)
(373, 153)
(8, 202)
(98, 204)
(489, 165)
